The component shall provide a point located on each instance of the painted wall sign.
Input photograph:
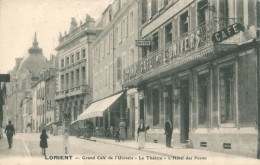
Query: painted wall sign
(142, 43)
(227, 32)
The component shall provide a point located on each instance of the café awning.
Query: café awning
(97, 108)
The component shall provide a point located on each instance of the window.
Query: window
(98, 53)
(131, 22)
(155, 41)
(203, 97)
(116, 36)
(83, 75)
(202, 6)
(184, 23)
(78, 56)
(168, 33)
(77, 77)
(106, 45)
(223, 11)
(110, 75)
(126, 26)
(101, 50)
(119, 32)
(119, 68)
(111, 42)
(72, 79)
(62, 63)
(123, 28)
(83, 53)
(156, 106)
(67, 80)
(67, 60)
(227, 94)
(107, 77)
(72, 58)
(258, 14)
(131, 57)
(62, 82)
(154, 7)
(144, 11)
(166, 2)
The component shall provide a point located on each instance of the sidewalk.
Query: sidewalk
(177, 151)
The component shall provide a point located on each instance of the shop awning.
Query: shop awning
(50, 123)
(96, 109)
(74, 122)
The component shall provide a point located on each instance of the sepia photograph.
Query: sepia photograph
(129, 82)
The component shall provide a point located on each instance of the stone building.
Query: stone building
(24, 75)
(112, 51)
(74, 76)
(198, 70)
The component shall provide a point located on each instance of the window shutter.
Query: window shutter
(258, 13)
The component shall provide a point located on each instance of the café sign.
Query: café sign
(142, 43)
(227, 32)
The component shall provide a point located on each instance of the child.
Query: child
(66, 141)
(43, 142)
(117, 135)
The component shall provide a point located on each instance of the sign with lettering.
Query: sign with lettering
(142, 43)
(227, 32)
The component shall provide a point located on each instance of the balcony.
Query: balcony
(191, 46)
(84, 89)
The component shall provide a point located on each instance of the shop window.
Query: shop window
(203, 97)
(226, 92)
(202, 6)
(184, 23)
(156, 106)
(168, 33)
(155, 41)
(154, 7)
(101, 121)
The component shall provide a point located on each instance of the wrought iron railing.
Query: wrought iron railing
(188, 42)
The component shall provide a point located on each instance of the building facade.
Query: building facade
(24, 75)
(74, 77)
(199, 73)
(112, 51)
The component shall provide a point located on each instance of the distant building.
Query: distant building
(24, 75)
(74, 76)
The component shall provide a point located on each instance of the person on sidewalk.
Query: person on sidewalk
(117, 138)
(141, 132)
(66, 141)
(9, 130)
(122, 126)
(43, 142)
(168, 132)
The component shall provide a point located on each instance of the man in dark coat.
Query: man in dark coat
(168, 132)
(9, 130)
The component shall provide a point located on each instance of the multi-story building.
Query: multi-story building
(24, 75)
(74, 77)
(113, 49)
(200, 73)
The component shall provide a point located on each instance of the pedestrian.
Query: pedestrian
(112, 132)
(122, 127)
(9, 130)
(117, 135)
(43, 142)
(141, 132)
(66, 140)
(168, 132)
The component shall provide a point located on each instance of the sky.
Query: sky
(20, 19)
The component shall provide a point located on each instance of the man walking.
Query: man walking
(168, 131)
(9, 130)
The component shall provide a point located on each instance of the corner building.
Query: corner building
(200, 72)
(74, 92)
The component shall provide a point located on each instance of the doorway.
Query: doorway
(131, 134)
(184, 109)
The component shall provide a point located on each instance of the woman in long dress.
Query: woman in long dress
(43, 142)
(122, 132)
(141, 132)
(66, 141)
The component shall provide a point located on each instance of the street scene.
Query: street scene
(130, 81)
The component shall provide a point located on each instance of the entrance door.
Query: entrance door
(184, 105)
(142, 109)
(168, 104)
